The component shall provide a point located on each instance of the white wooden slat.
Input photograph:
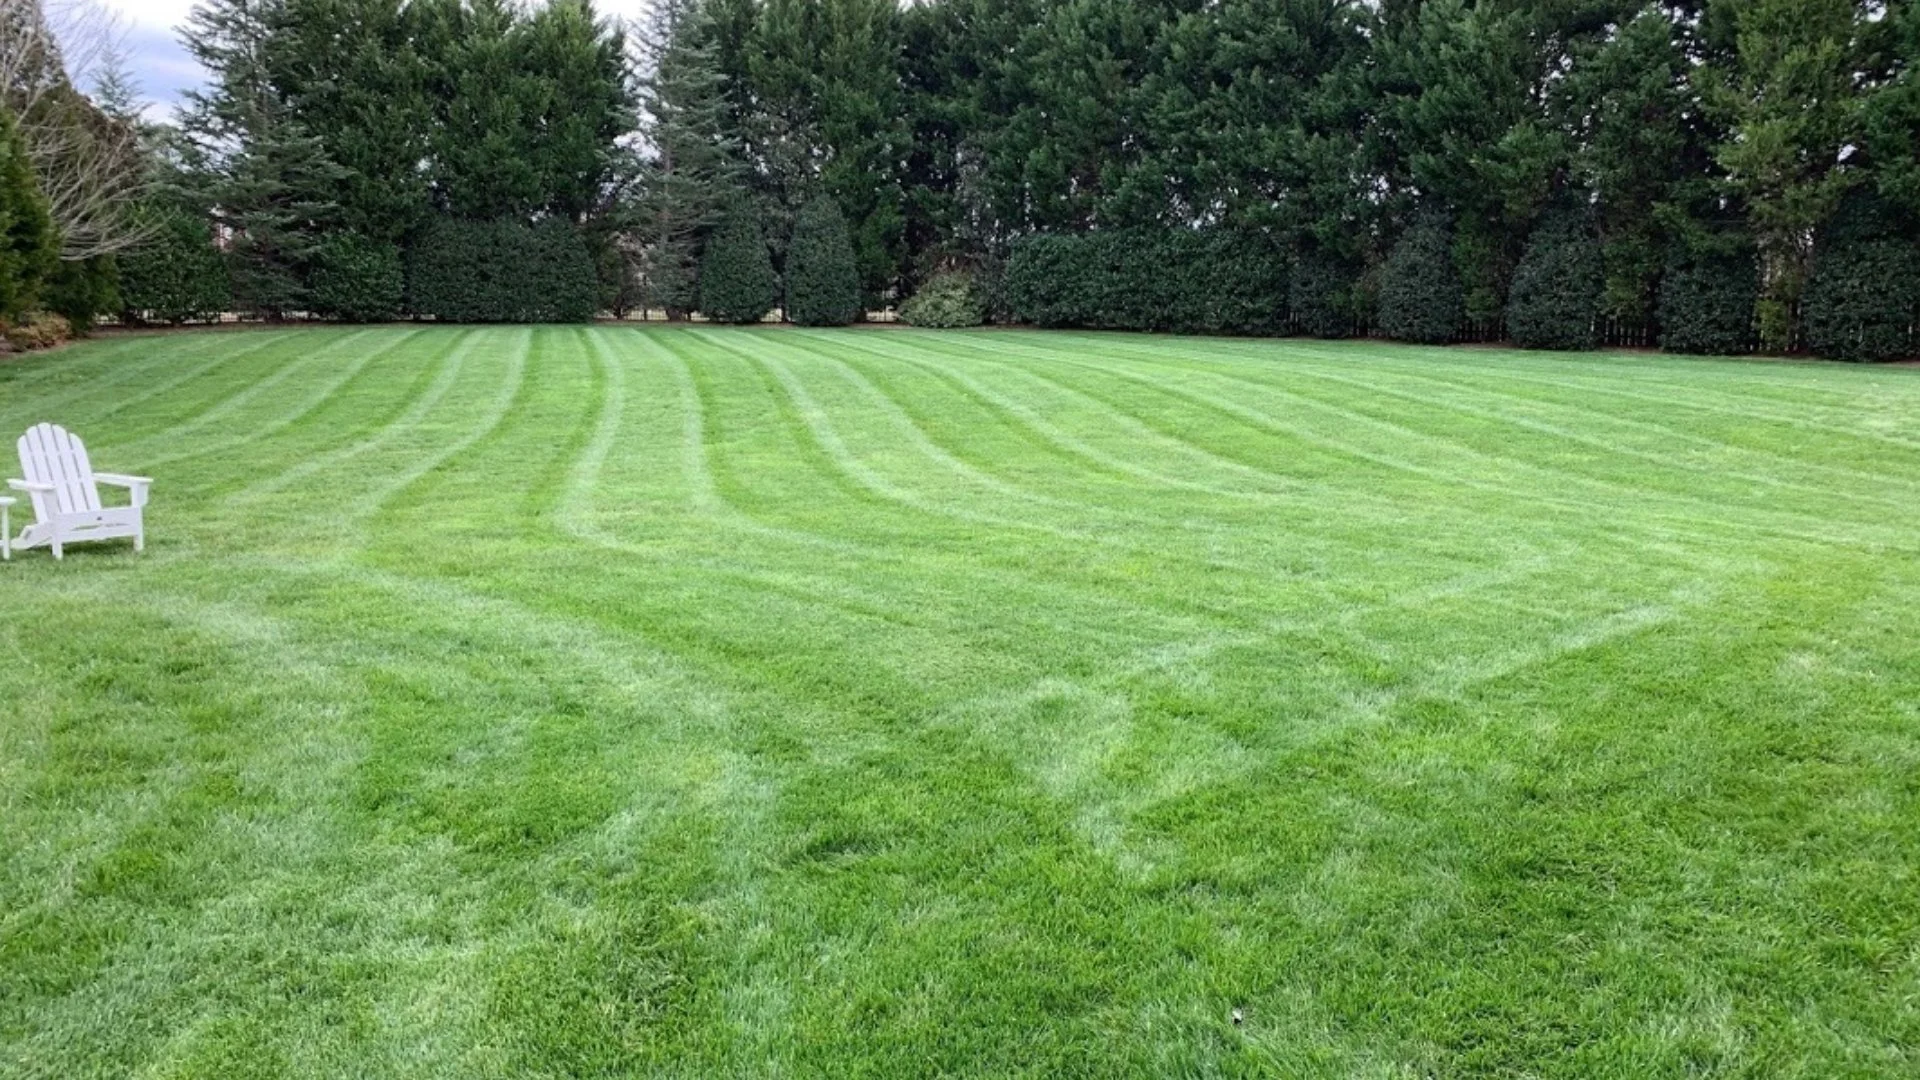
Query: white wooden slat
(37, 463)
(79, 469)
(49, 454)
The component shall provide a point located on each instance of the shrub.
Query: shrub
(1179, 280)
(1322, 297)
(80, 291)
(39, 330)
(1421, 297)
(1555, 296)
(736, 276)
(356, 279)
(823, 282)
(503, 271)
(564, 285)
(176, 275)
(1863, 297)
(1707, 302)
(946, 300)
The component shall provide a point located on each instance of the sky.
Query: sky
(163, 68)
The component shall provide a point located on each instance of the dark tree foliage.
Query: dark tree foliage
(1863, 298)
(177, 275)
(691, 169)
(352, 72)
(1557, 288)
(947, 300)
(1707, 301)
(358, 279)
(1421, 298)
(737, 284)
(82, 290)
(27, 242)
(502, 271)
(1178, 280)
(823, 282)
(1323, 295)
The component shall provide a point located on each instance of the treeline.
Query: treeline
(1710, 175)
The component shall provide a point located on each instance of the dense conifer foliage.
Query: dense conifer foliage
(1326, 167)
(737, 282)
(1555, 301)
(1421, 298)
(823, 279)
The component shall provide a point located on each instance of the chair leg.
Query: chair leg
(140, 538)
(58, 551)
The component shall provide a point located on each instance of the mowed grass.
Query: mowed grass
(615, 702)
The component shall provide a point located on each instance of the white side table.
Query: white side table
(6, 531)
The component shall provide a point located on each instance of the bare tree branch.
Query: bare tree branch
(88, 161)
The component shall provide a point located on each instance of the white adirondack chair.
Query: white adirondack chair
(66, 497)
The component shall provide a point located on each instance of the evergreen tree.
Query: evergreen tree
(1786, 87)
(1558, 285)
(27, 244)
(1420, 294)
(275, 193)
(1706, 301)
(823, 282)
(527, 108)
(737, 283)
(694, 169)
(1863, 297)
(1321, 294)
(177, 275)
(268, 180)
(351, 73)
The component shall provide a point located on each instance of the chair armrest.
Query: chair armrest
(136, 485)
(28, 485)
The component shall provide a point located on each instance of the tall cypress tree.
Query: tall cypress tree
(737, 282)
(823, 280)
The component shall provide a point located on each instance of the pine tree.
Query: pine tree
(737, 282)
(270, 180)
(275, 194)
(823, 281)
(694, 169)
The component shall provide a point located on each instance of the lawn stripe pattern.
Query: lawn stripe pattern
(567, 701)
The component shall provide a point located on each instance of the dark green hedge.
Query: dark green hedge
(1706, 302)
(1212, 281)
(1863, 298)
(823, 281)
(1421, 297)
(358, 280)
(177, 275)
(1323, 299)
(82, 290)
(1554, 301)
(503, 271)
(737, 284)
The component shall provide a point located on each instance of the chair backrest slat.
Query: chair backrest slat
(50, 454)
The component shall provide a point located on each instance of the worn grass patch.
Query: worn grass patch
(605, 702)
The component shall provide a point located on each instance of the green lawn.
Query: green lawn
(566, 702)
